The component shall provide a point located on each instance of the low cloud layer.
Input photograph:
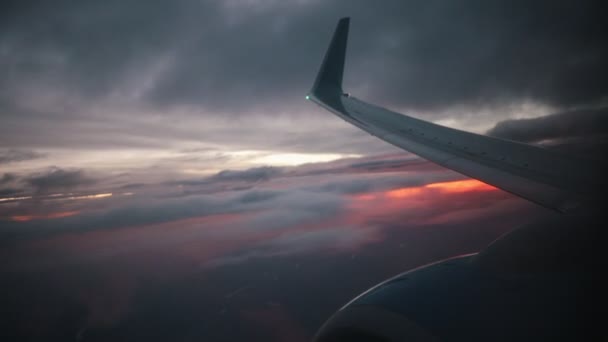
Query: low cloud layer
(294, 195)
(163, 248)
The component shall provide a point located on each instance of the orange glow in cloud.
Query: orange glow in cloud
(461, 186)
(404, 192)
(413, 201)
(24, 218)
(365, 197)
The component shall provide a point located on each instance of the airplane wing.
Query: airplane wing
(553, 180)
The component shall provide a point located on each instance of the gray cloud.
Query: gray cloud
(258, 196)
(8, 178)
(151, 75)
(6, 181)
(344, 176)
(9, 191)
(579, 132)
(277, 210)
(370, 184)
(16, 155)
(417, 54)
(58, 179)
(364, 165)
(9, 185)
(256, 174)
(303, 196)
(578, 123)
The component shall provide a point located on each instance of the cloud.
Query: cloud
(563, 125)
(362, 184)
(17, 155)
(10, 191)
(299, 194)
(302, 242)
(256, 174)
(258, 196)
(274, 210)
(85, 75)
(224, 56)
(8, 178)
(396, 163)
(7, 182)
(58, 179)
(581, 132)
(392, 163)
(288, 197)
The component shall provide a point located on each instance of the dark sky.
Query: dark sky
(85, 82)
(162, 176)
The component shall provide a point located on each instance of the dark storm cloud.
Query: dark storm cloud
(9, 191)
(84, 44)
(255, 174)
(58, 179)
(221, 179)
(16, 155)
(416, 54)
(231, 55)
(6, 184)
(571, 124)
(8, 178)
(579, 132)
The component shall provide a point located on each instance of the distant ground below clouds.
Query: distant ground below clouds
(225, 258)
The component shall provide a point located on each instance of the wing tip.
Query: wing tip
(329, 77)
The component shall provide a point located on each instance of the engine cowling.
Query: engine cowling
(535, 283)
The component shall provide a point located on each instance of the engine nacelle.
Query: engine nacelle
(535, 283)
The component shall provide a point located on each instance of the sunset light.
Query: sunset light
(451, 187)
(462, 186)
(293, 159)
(25, 218)
(95, 196)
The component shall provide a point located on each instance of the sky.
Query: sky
(162, 175)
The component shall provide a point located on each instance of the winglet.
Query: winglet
(329, 79)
